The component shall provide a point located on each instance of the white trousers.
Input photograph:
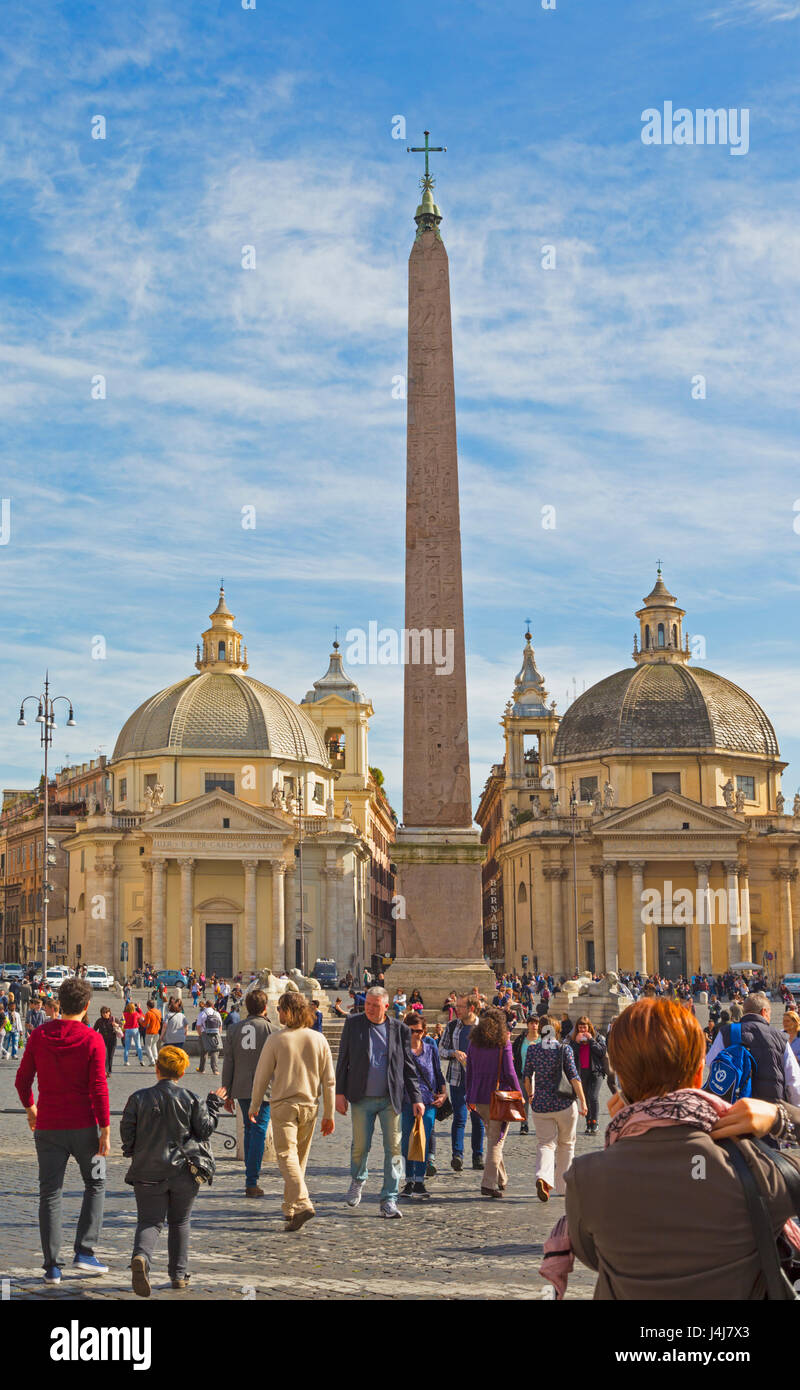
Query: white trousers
(555, 1134)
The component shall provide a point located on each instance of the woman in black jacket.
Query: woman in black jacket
(164, 1131)
(108, 1031)
(591, 1059)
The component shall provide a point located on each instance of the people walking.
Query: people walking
(453, 1051)
(555, 1115)
(35, 1016)
(107, 1029)
(175, 1026)
(132, 1016)
(672, 1133)
(433, 1091)
(152, 1028)
(776, 1075)
(374, 1068)
(297, 1064)
(589, 1054)
(209, 1030)
(70, 1119)
(519, 1052)
(13, 1029)
(791, 1027)
(165, 1131)
(243, 1046)
(490, 1067)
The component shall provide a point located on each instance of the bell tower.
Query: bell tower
(660, 628)
(222, 648)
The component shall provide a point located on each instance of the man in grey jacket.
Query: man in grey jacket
(243, 1045)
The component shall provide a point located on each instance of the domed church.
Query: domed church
(216, 785)
(645, 829)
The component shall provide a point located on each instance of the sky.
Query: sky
(152, 386)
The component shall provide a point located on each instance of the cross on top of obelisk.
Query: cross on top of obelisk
(427, 149)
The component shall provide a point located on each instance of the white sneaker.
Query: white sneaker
(354, 1193)
(390, 1209)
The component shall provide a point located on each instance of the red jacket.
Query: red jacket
(68, 1060)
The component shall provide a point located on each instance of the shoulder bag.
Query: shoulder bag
(565, 1087)
(770, 1248)
(506, 1106)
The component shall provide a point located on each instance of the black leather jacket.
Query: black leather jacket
(160, 1120)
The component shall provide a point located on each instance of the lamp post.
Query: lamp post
(573, 816)
(46, 718)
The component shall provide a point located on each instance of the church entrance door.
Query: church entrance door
(219, 949)
(671, 952)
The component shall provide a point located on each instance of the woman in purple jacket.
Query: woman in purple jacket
(490, 1049)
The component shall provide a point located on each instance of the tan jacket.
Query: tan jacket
(663, 1216)
(299, 1064)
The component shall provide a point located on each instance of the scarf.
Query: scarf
(684, 1107)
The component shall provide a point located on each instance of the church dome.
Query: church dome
(661, 703)
(221, 709)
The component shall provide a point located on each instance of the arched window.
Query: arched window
(674, 635)
(522, 895)
(221, 651)
(661, 634)
(646, 635)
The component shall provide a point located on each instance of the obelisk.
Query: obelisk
(438, 850)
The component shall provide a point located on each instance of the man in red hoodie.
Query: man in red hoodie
(71, 1119)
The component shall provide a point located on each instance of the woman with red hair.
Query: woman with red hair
(662, 1160)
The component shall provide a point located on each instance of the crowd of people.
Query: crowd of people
(487, 1065)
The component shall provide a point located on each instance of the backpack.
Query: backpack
(731, 1073)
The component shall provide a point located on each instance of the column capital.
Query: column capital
(250, 865)
(731, 866)
(596, 870)
(278, 866)
(703, 866)
(553, 872)
(638, 865)
(186, 863)
(610, 868)
(782, 872)
(743, 870)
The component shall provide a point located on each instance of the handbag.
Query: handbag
(565, 1087)
(416, 1142)
(506, 1106)
(770, 1249)
(445, 1109)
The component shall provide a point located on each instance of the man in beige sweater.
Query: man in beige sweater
(298, 1062)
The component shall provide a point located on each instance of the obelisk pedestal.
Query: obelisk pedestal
(438, 850)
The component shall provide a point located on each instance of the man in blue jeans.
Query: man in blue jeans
(453, 1050)
(374, 1066)
(243, 1044)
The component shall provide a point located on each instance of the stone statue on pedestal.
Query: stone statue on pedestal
(740, 798)
(728, 794)
(780, 802)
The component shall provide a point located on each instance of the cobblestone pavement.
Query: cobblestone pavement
(467, 1246)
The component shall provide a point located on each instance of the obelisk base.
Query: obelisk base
(439, 914)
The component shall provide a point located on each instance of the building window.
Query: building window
(646, 636)
(748, 786)
(123, 789)
(83, 860)
(522, 895)
(661, 634)
(226, 822)
(150, 780)
(226, 781)
(588, 788)
(220, 651)
(666, 782)
(319, 792)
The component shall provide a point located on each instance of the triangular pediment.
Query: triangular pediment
(206, 813)
(669, 811)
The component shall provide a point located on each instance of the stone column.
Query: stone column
(330, 914)
(744, 911)
(290, 916)
(786, 955)
(610, 914)
(278, 917)
(703, 867)
(157, 924)
(556, 875)
(147, 911)
(250, 867)
(639, 929)
(731, 868)
(186, 932)
(597, 918)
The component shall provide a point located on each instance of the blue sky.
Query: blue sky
(272, 387)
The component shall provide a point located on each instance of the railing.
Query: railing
(126, 822)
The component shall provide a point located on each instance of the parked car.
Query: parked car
(171, 977)
(98, 977)
(57, 974)
(326, 972)
(11, 972)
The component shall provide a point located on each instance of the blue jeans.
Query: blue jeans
(458, 1100)
(254, 1139)
(364, 1113)
(132, 1035)
(10, 1044)
(415, 1171)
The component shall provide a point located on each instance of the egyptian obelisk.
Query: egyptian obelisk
(438, 850)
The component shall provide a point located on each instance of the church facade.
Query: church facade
(645, 829)
(242, 830)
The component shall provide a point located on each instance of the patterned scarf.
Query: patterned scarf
(684, 1107)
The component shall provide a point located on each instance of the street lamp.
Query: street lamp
(573, 816)
(45, 716)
